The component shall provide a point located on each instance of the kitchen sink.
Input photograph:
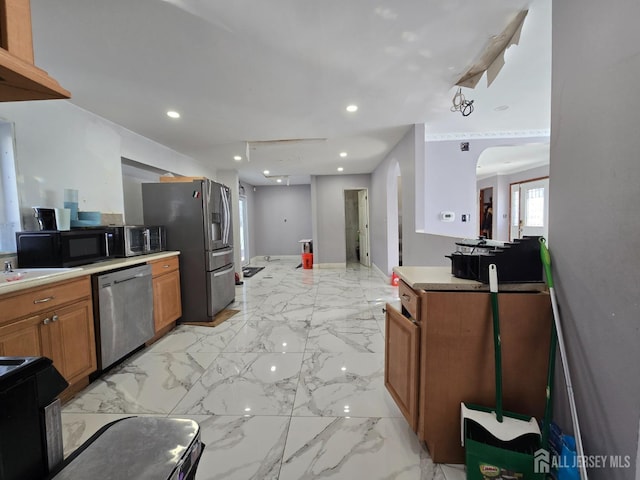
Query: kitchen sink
(19, 274)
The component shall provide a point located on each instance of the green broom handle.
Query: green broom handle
(557, 333)
(548, 408)
(497, 348)
(546, 261)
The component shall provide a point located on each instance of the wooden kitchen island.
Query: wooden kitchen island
(439, 352)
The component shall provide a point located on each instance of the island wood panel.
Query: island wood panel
(457, 362)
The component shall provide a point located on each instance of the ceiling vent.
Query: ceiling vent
(254, 145)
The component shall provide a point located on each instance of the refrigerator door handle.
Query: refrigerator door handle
(227, 270)
(225, 205)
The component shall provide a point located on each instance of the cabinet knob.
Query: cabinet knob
(384, 310)
(54, 318)
(46, 321)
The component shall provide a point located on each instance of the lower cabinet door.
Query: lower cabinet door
(68, 338)
(167, 303)
(401, 362)
(21, 339)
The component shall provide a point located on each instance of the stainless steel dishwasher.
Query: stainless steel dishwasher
(123, 312)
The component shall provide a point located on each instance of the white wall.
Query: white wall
(59, 145)
(594, 228)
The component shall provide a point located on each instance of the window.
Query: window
(535, 208)
(9, 207)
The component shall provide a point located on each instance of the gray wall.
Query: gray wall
(329, 219)
(132, 179)
(594, 232)
(418, 248)
(282, 216)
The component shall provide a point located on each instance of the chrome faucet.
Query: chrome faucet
(8, 267)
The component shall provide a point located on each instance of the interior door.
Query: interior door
(530, 208)
(244, 232)
(363, 227)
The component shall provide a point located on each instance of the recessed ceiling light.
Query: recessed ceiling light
(279, 180)
(237, 158)
(173, 114)
(266, 172)
(340, 169)
(343, 154)
(352, 108)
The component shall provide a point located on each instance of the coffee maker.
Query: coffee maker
(46, 218)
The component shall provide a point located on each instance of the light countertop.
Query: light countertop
(83, 270)
(441, 278)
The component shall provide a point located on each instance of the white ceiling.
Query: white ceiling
(254, 70)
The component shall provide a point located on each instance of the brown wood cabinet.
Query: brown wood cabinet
(439, 353)
(402, 356)
(21, 338)
(55, 321)
(167, 302)
(20, 79)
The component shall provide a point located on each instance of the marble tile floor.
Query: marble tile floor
(289, 388)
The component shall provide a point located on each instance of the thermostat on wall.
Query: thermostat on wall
(447, 216)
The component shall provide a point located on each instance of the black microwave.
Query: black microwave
(53, 248)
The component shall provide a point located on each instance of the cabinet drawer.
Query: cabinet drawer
(164, 265)
(410, 300)
(36, 300)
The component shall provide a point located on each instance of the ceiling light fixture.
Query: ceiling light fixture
(340, 169)
(279, 180)
(173, 114)
(343, 154)
(266, 172)
(352, 108)
(237, 158)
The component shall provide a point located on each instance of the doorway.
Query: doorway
(529, 212)
(356, 210)
(486, 212)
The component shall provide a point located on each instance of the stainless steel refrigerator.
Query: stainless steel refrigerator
(197, 217)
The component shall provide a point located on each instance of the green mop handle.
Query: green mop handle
(497, 349)
(548, 409)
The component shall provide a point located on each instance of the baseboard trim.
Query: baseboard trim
(330, 265)
(380, 272)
